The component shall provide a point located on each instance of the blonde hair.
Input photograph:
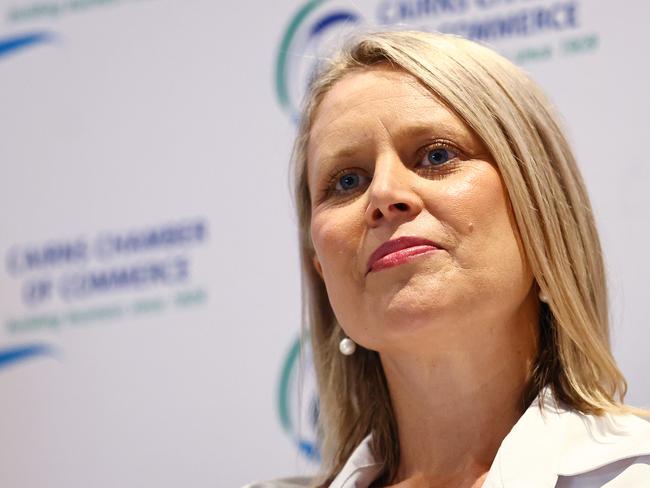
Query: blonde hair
(552, 212)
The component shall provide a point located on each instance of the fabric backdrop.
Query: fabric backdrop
(149, 287)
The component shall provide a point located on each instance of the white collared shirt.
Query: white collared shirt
(553, 447)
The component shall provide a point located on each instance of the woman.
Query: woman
(454, 282)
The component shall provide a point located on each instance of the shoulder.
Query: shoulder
(552, 443)
(298, 482)
(609, 450)
(625, 473)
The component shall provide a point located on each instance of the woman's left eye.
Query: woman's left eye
(437, 156)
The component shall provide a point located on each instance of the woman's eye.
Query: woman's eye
(438, 156)
(347, 182)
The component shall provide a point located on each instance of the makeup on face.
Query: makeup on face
(409, 218)
(400, 250)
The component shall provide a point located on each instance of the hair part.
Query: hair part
(551, 208)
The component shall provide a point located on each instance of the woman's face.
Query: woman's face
(411, 224)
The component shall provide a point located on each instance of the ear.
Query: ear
(317, 266)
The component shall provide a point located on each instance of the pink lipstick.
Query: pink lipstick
(397, 251)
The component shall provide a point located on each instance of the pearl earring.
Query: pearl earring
(347, 346)
(543, 297)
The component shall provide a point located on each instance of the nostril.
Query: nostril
(392, 210)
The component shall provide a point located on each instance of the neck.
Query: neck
(454, 408)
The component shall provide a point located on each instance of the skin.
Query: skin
(456, 328)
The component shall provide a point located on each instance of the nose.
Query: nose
(391, 196)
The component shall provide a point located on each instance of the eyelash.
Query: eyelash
(430, 171)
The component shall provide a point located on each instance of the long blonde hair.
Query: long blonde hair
(554, 218)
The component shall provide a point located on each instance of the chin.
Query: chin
(412, 323)
(418, 298)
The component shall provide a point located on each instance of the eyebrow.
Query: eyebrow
(422, 128)
(417, 128)
(413, 131)
(339, 154)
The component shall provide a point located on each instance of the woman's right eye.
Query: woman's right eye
(341, 185)
(344, 184)
(347, 182)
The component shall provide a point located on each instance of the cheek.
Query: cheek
(502, 251)
(335, 240)
(500, 226)
(324, 237)
(331, 235)
(491, 242)
(477, 196)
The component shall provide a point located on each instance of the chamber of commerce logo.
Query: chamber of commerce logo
(298, 400)
(66, 283)
(522, 30)
(308, 38)
(16, 43)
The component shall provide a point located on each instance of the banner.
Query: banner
(149, 287)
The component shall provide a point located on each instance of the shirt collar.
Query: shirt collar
(361, 468)
(545, 442)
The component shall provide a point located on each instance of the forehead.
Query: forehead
(368, 92)
(377, 103)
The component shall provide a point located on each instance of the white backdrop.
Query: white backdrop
(149, 291)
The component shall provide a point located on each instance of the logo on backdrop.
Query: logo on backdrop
(298, 400)
(16, 354)
(13, 45)
(112, 275)
(77, 269)
(16, 43)
(317, 25)
(523, 30)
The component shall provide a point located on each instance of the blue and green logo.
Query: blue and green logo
(10, 356)
(313, 31)
(20, 42)
(298, 400)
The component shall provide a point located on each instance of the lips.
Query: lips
(397, 251)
